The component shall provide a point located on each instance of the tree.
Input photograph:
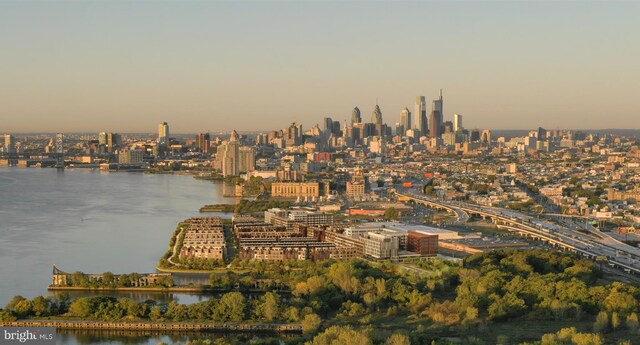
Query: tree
(156, 313)
(310, 323)
(271, 308)
(398, 339)
(177, 311)
(342, 335)
(41, 306)
(615, 320)
(231, 307)
(82, 307)
(602, 322)
(632, 322)
(391, 213)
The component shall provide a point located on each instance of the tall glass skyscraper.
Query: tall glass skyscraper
(421, 115)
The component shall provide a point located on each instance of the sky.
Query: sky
(216, 66)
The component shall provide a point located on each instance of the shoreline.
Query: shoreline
(158, 326)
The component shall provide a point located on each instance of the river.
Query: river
(91, 221)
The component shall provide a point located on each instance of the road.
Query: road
(619, 255)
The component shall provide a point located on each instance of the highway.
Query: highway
(618, 254)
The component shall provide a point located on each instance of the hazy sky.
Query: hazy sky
(124, 67)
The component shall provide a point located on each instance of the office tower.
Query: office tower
(447, 127)
(486, 136)
(102, 138)
(355, 116)
(438, 104)
(328, 125)
(9, 144)
(336, 129)
(475, 135)
(376, 116)
(421, 115)
(405, 120)
(457, 122)
(435, 124)
(163, 134)
(542, 133)
(113, 140)
(203, 141)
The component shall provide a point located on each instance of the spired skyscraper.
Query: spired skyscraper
(421, 115)
(163, 134)
(405, 120)
(376, 116)
(355, 116)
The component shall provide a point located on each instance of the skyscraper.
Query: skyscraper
(435, 127)
(421, 115)
(328, 125)
(9, 144)
(163, 134)
(457, 122)
(436, 118)
(355, 116)
(405, 120)
(376, 116)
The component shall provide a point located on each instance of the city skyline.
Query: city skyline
(125, 67)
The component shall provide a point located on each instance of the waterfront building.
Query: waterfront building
(204, 238)
(9, 144)
(307, 190)
(61, 278)
(128, 156)
(163, 134)
(289, 218)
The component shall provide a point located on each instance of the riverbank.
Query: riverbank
(159, 326)
(178, 289)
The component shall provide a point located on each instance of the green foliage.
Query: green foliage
(391, 213)
(342, 335)
(249, 206)
(310, 323)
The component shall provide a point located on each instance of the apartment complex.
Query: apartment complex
(204, 238)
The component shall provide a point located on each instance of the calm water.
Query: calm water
(90, 221)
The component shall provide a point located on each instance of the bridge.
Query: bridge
(618, 254)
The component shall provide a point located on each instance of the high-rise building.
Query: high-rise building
(228, 156)
(542, 134)
(405, 120)
(232, 159)
(247, 159)
(457, 122)
(163, 134)
(127, 156)
(421, 115)
(355, 116)
(9, 144)
(203, 141)
(376, 116)
(435, 126)
(327, 125)
(438, 104)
